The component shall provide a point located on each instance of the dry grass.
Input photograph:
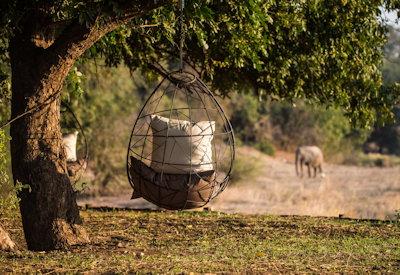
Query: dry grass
(175, 242)
(357, 192)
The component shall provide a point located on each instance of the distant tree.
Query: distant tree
(326, 51)
(387, 137)
(391, 64)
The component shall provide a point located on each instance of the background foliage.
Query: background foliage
(324, 51)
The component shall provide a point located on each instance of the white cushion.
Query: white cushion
(69, 142)
(182, 146)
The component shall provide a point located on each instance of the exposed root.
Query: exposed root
(6, 244)
(69, 234)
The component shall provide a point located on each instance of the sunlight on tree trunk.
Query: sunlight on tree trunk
(49, 210)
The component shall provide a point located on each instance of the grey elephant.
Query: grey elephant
(312, 157)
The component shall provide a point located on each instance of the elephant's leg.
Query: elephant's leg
(309, 170)
(315, 171)
(301, 168)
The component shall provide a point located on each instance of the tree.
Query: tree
(42, 48)
(325, 51)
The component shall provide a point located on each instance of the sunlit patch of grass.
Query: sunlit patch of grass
(211, 242)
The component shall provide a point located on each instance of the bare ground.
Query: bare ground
(355, 192)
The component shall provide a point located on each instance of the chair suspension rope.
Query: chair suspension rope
(181, 33)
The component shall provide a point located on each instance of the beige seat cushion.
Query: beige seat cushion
(69, 142)
(181, 147)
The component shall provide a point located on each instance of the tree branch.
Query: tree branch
(77, 37)
(156, 67)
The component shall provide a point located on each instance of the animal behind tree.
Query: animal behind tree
(312, 157)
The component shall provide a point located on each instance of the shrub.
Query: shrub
(108, 102)
(245, 168)
(8, 198)
(244, 114)
(304, 124)
(266, 147)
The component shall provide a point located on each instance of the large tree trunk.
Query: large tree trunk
(48, 207)
(41, 57)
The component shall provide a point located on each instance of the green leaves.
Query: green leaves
(325, 51)
(74, 83)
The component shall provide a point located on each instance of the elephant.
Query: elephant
(312, 157)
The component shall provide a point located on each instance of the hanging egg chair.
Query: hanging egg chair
(181, 148)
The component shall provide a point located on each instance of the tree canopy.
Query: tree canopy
(325, 51)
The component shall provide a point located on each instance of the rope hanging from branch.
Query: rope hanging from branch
(181, 33)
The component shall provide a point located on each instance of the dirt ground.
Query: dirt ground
(355, 192)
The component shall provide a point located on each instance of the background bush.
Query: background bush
(269, 126)
(266, 146)
(8, 199)
(106, 101)
(245, 168)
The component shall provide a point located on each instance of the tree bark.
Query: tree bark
(38, 157)
(50, 215)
